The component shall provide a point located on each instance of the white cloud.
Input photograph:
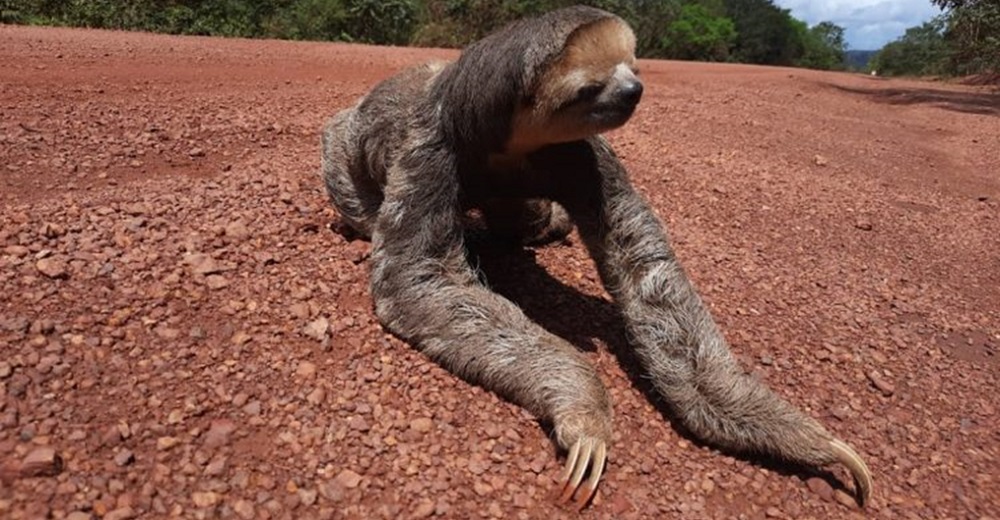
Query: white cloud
(869, 24)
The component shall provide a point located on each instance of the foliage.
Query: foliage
(974, 34)
(698, 34)
(922, 51)
(754, 31)
(964, 40)
(767, 34)
(824, 47)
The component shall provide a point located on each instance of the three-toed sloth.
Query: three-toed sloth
(512, 129)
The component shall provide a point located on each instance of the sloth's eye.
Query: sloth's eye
(589, 92)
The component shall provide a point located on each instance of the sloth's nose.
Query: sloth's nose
(631, 92)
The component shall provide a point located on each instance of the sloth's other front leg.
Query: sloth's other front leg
(426, 293)
(674, 335)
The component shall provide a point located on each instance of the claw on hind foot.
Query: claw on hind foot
(862, 477)
(585, 453)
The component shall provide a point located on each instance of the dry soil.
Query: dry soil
(182, 333)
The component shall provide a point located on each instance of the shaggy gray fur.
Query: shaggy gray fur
(405, 164)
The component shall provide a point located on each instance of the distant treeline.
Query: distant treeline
(964, 40)
(749, 31)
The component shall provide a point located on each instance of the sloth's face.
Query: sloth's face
(591, 87)
(601, 104)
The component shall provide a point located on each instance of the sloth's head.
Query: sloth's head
(590, 86)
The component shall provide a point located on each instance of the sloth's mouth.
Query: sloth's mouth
(612, 115)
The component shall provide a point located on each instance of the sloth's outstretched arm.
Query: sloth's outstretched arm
(426, 292)
(675, 337)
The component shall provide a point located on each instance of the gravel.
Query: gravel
(183, 334)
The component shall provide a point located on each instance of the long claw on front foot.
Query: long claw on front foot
(584, 453)
(862, 476)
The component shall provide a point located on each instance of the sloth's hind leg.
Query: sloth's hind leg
(532, 222)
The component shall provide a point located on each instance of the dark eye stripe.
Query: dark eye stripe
(589, 92)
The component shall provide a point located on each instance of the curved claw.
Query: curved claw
(585, 453)
(862, 477)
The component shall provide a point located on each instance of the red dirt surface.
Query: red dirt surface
(181, 326)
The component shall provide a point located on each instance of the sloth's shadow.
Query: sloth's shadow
(579, 318)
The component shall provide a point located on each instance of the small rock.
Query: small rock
(244, 508)
(216, 282)
(124, 457)
(819, 160)
(864, 225)
(237, 230)
(358, 251)
(252, 408)
(52, 267)
(774, 512)
(203, 264)
(422, 425)
(821, 487)
(482, 488)
(316, 397)
(165, 443)
(240, 337)
(122, 513)
(167, 333)
(478, 466)
(204, 498)
(332, 490)
(305, 369)
(51, 230)
(425, 508)
(620, 504)
(538, 463)
(41, 462)
(216, 466)
(708, 485)
(176, 416)
(881, 383)
(79, 515)
(522, 500)
(218, 433)
(196, 152)
(844, 499)
(5, 370)
(46, 363)
(17, 251)
(307, 497)
(348, 479)
(358, 423)
(317, 329)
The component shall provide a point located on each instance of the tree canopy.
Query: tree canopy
(965, 39)
(750, 31)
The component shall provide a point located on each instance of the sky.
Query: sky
(869, 24)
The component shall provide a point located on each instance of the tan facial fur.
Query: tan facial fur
(593, 54)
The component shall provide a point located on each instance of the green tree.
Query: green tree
(766, 34)
(824, 47)
(698, 34)
(382, 21)
(974, 34)
(921, 51)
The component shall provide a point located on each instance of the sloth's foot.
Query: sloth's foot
(859, 470)
(587, 452)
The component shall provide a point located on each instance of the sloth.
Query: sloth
(512, 130)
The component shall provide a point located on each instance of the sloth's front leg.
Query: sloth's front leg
(673, 333)
(426, 293)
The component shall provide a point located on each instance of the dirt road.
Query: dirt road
(180, 328)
